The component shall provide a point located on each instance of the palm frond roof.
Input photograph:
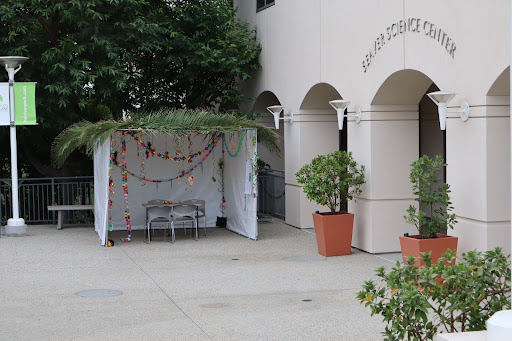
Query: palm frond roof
(174, 122)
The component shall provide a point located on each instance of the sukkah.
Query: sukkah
(171, 155)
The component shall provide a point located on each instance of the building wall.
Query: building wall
(383, 56)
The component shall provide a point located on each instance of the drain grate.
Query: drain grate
(99, 293)
(304, 258)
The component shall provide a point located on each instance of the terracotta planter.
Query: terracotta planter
(415, 245)
(333, 233)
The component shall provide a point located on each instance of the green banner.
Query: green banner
(24, 103)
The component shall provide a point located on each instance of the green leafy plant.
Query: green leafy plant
(419, 302)
(262, 165)
(95, 60)
(431, 196)
(330, 178)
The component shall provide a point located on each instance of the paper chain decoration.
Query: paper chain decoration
(183, 174)
(242, 135)
(124, 177)
(165, 156)
(111, 188)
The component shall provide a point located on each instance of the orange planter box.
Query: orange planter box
(333, 233)
(415, 245)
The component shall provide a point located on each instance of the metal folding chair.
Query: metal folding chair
(183, 214)
(201, 209)
(159, 215)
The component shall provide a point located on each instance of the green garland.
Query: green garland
(242, 135)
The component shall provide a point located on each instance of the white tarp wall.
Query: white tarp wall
(240, 182)
(101, 170)
(152, 177)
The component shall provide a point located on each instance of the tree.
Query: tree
(94, 60)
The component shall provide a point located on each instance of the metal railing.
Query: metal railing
(271, 189)
(36, 194)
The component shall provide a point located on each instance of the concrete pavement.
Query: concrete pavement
(222, 287)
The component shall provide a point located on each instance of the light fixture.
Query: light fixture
(340, 105)
(276, 111)
(441, 99)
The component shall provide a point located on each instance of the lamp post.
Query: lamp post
(15, 225)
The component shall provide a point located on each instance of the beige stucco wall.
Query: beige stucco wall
(306, 43)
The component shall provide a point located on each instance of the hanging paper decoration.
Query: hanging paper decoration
(124, 177)
(248, 177)
(221, 184)
(183, 173)
(189, 158)
(110, 187)
(242, 135)
(191, 180)
(148, 150)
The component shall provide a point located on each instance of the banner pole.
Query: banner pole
(15, 225)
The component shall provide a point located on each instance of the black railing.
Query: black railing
(271, 193)
(36, 194)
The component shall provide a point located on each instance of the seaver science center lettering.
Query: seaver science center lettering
(415, 25)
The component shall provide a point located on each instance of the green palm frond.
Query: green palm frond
(174, 122)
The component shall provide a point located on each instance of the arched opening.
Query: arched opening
(271, 166)
(264, 100)
(410, 88)
(432, 140)
(400, 125)
(498, 163)
(317, 100)
(501, 86)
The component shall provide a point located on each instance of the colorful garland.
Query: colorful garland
(111, 188)
(124, 176)
(184, 173)
(150, 150)
(242, 135)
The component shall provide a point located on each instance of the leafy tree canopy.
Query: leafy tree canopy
(95, 59)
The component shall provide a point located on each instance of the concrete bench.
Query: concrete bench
(61, 208)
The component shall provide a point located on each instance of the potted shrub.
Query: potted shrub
(332, 180)
(415, 306)
(433, 215)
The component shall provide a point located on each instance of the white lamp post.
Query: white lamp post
(15, 225)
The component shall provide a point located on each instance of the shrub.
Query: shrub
(329, 178)
(419, 302)
(431, 196)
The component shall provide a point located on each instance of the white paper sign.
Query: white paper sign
(5, 117)
(248, 177)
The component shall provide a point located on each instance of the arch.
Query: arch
(264, 100)
(318, 97)
(404, 87)
(317, 100)
(501, 86)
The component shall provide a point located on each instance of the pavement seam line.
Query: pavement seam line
(170, 299)
(271, 294)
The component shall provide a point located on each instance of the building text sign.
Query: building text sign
(413, 25)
